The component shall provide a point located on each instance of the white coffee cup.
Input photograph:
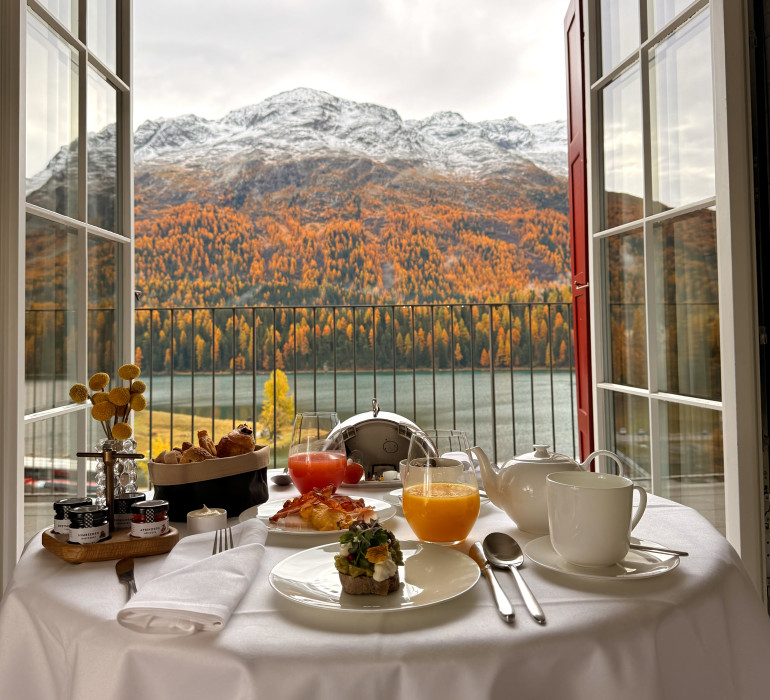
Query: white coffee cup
(589, 516)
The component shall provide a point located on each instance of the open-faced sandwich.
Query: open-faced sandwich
(369, 559)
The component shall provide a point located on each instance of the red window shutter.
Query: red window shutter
(578, 222)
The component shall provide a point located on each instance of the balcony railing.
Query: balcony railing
(503, 372)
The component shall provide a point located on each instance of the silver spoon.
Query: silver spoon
(504, 552)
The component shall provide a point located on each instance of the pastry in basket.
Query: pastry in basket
(369, 559)
(237, 442)
(205, 441)
(195, 454)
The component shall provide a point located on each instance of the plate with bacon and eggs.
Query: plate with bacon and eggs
(319, 512)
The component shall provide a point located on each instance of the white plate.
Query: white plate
(396, 495)
(637, 564)
(371, 484)
(296, 525)
(431, 574)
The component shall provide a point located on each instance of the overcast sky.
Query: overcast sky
(486, 59)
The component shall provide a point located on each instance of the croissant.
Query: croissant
(237, 442)
(206, 442)
(195, 454)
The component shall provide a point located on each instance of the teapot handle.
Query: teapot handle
(603, 453)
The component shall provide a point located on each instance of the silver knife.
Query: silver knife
(125, 571)
(504, 606)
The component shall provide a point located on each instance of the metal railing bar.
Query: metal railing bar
(531, 378)
(171, 392)
(315, 361)
(152, 397)
(510, 365)
(355, 364)
(472, 330)
(374, 349)
(433, 360)
(233, 362)
(254, 369)
(393, 347)
(334, 353)
(452, 363)
(550, 367)
(571, 378)
(193, 358)
(275, 396)
(213, 371)
(414, 368)
(296, 386)
(492, 380)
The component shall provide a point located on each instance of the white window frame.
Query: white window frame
(13, 212)
(739, 337)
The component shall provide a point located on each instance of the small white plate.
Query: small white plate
(636, 565)
(296, 525)
(431, 574)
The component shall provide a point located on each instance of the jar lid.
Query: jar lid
(151, 509)
(124, 502)
(64, 505)
(86, 516)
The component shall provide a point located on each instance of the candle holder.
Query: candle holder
(109, 457)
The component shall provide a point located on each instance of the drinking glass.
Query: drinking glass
(441, 493)
(317, 455)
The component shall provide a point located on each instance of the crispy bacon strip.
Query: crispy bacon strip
(348, 509)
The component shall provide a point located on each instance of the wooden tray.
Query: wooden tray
(119, 546)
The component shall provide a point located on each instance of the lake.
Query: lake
(542, 401)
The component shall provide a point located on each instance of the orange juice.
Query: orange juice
(439, 512)
(317, 469)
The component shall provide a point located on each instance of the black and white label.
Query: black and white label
(123, 520)
(89, 535)
(61, 526)
(149, 529)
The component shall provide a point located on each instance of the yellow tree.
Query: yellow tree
(279, 404)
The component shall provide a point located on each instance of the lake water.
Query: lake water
(540, 404)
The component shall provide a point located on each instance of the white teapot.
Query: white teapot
(519, 486)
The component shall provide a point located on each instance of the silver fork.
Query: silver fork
(223, 540)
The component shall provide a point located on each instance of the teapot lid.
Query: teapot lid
(542, 455)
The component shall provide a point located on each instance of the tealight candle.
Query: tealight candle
(206, 519)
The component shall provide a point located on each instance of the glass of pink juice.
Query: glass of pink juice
(317, 455)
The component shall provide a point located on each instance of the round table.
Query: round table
(698, 631)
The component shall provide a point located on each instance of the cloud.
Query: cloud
(485, 59)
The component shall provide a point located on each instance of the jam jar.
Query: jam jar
(88, 524)
(150, 518)
(61, 521)
(123, 502)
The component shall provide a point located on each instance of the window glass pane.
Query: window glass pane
(620, 31)
(51, 281)
(630, 416)
(50, 469)
(66, 11)
(692, 468)
(102, 31)
(687, 305)
(624, 261)
(102, 153)
(52, 120)
(661, 12)
(622, 150)
(103, 327)
(681, 117)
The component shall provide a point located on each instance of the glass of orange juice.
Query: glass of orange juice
(317, 455)
(441, 493)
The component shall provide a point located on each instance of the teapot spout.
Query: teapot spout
(489, 476)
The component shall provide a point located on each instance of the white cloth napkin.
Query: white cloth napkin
(195, 589)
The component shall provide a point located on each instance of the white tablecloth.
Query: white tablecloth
(697, 632)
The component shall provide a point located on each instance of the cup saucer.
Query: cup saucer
(637, 564)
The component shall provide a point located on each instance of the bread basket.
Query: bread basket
(233, 483)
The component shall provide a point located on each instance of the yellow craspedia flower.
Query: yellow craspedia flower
(121, 431)
(103, 411)
(79, 393)
(138, 402)
(120, 396)
(129, 372)
(99, 381)
(138, 387)
(100, 397)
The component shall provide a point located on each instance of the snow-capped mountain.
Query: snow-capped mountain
(303, 122)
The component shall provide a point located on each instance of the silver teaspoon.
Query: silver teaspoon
(504, 552)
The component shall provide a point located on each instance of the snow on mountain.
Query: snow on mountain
(305, 122)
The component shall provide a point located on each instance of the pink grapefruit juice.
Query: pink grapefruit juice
(310, 470)
(439, 512)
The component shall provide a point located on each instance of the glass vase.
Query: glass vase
(124, 469)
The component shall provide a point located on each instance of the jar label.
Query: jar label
(154, 529)
(123, 520)
(89, 535)
(61, 526)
